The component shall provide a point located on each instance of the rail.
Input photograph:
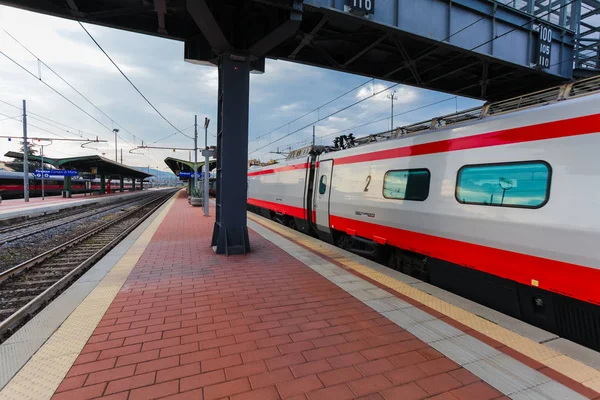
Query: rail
(8, 325)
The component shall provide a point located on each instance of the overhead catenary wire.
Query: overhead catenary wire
(383, 119)
(130, 82)
(68, 84)
(313, 110)
(327, 116)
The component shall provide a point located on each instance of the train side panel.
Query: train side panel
(280, 189)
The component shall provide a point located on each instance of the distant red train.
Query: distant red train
(11, 185)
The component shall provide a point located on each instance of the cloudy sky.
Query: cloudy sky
(179, 90)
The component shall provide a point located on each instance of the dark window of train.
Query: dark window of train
(515, 184)
(407, 184)
(323, 184)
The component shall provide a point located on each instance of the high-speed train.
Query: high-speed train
(499, 204)
(11, 185)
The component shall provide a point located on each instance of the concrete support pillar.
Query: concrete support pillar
(142, 184)
(133, 184)
(230, 232)
(68, 187)
(121, 184)
(102, 184)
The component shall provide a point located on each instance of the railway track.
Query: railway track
(29, 286)
(40, 224)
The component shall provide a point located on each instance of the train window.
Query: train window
(515, 184)
(407, 184)
(323, 184)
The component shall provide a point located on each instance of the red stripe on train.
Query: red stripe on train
(293, 211)
(560, 277)
(280, 169)
(550, 130)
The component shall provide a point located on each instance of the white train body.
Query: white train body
(532, 252)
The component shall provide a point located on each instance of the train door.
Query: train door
(321, 192)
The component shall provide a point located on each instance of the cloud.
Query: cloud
(290, 107)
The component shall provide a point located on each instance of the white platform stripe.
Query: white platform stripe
(507, 375)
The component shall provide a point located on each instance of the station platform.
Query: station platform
(18, 207)
(164, 317)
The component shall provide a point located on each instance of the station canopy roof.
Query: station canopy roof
(85, 164)
(177, 165)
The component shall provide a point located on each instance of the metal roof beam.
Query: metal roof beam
(308, 37)
(590, 13)
(280, 34)
(126, 11)
(205, 20)
(326, 56)
(365, 50)
(408, 62)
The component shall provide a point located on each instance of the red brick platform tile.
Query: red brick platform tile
(189, 324)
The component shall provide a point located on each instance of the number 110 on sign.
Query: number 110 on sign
(365, 5)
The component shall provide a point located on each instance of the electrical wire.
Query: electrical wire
(312, 111)
(383, 119)
(327, 116)
(130, 82)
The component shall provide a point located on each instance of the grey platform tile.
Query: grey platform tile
(506, 374)
(576, 351)
(380, 306)
(45, 323)
(371, 294)
(465, 349)
(387, 304)
(15, 355)
(357, 285)
(548, 391)
(405, 319)
(345, 278)
(433, 331)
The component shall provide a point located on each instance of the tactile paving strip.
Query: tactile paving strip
(39, 378)
(567, 366)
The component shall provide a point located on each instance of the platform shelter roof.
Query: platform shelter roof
(87, 164)
(178, 165)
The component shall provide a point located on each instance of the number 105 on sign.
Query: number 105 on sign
(364, 5)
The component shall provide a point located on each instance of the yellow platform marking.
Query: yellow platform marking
(39, 378)
(569, 367)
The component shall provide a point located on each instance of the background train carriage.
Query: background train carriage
(501, 209)
(11, 185)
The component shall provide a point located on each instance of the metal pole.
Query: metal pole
(195, 152)
(116, 159)
(25, 161)
(43, 173)
(313, 142)
(206, 168)
(392, 111)
(121, 156)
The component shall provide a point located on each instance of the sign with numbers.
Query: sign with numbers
(366, 6)
(544, 47)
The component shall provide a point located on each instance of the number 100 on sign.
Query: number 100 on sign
(544, 50)
(368, 6)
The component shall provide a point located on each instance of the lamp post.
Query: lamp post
(392, 96)
(206, 167)
(195, 152)
(116, 131)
